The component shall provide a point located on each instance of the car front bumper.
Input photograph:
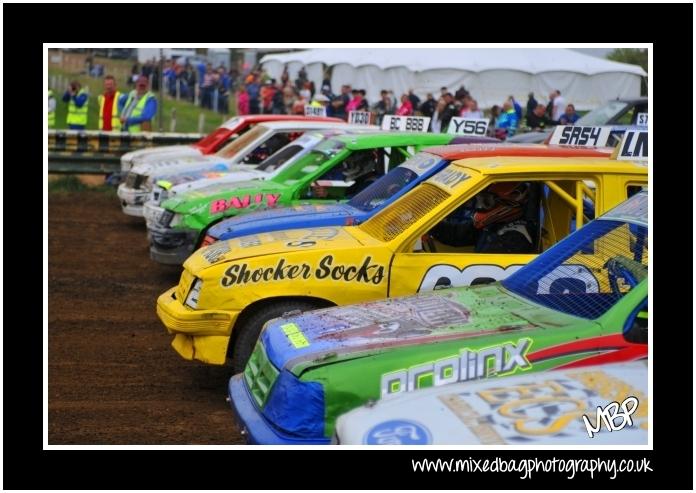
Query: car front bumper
(132, 200)
(171, 246)
(202, 335)
(252, 423)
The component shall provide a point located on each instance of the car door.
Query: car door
(428, 262)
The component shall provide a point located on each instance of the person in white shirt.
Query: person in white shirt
(559, 105)
(472, 110)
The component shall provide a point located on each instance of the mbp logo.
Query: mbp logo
(470, 364)
(610, 414)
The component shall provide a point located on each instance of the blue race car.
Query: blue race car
(360, 208)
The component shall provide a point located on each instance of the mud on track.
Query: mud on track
(112, 376)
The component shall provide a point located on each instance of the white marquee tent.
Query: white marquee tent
(490, 74)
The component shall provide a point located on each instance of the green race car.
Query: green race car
(582, 302)
(336, 169)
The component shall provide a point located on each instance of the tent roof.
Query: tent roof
(528, 60)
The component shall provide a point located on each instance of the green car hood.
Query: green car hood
(343, 333)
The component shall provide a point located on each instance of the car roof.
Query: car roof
(633, 210)
(633, 100)
(463, 151)
(384, 138)
(300, 124)
(280, 118)
(501, 165)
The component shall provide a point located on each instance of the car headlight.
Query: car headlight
(176, 220)
(194, 293)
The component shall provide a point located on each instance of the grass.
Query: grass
(72, 183)
(187, 114)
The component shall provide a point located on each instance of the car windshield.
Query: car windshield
(240, 143)
(588, 272)
(290, 152)
(602, 114)
(392, 182)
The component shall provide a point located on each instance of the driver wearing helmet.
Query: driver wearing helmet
(493, 221)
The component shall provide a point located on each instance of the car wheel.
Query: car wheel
(247, 332)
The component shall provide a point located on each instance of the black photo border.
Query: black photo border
(27, 26)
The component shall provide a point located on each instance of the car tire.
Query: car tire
(247, 332)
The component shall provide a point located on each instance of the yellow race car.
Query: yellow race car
(492, 210)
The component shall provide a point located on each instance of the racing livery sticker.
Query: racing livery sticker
(398, 432)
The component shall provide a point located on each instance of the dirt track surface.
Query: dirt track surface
(113, 377)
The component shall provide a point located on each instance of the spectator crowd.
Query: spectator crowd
(258, 93)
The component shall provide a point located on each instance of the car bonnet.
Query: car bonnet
(343, 333)
(273, 244)
(301, 216)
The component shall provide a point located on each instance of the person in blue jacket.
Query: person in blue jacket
(569, 117)
(517, 107)
(140, 108)
(507, 122)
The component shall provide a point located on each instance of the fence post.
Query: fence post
(160, 80)
(53, 83)
(172, 123)
(178, 89)
(201, 121)
(196, 90)
(215, 100)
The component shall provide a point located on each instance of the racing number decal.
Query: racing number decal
(449, 276)
(405, 123)
(468, 126)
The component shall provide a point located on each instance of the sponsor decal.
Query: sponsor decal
(310, 239)
(421, 162)
(398, 432)
(216, 251)
(560, 280)
(446, 276)
(254, 240)
(367, 272)
(642, 120)
(534, 411)
(295, 335)
(392, 320)
(498, 360)
(614, 389)
(449, 178)
(221, 205)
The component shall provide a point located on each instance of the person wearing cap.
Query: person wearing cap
(319, 101)
(78, 102)
(139, 108)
